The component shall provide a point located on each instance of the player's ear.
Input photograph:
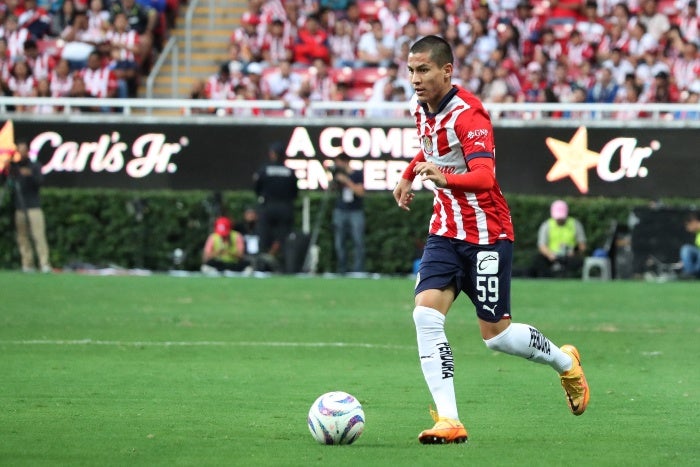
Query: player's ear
(447, 71)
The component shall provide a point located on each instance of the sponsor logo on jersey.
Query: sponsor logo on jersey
(479, 133)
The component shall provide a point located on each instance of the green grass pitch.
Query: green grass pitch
(164, 371)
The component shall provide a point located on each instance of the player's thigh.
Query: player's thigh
(488, 276)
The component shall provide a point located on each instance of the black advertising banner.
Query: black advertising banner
(638, 162)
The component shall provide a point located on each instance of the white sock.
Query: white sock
(525, 341)
(436, 359)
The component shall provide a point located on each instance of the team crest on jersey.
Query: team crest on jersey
(427, 144)
(487, 262)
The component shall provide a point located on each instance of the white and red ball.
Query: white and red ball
(336, 418)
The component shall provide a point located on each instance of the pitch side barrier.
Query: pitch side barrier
(546, 156)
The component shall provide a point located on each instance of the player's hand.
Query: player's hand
(403, 194)
(429, 171)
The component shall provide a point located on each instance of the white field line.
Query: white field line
(67, 342)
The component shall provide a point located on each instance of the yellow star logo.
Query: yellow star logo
(7, 144)
(573, 159)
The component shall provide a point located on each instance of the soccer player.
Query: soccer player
(470, 244)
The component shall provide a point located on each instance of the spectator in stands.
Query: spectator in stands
(99, 80)
(342, 44)
(62, 19)
(689, 22)
(549, 46)
(61, 79)
(591, 27)
(561, 88)
(125, 50)
(656, 23)
(35, 19)
(662, 89)
(280, 82)
(21, 82)
(79, 41)
(640, 43)
(43, 89)
(253, 81)
(630, 93)
(577, 51)
(374, 47)
(534, 86)
(618, 65)
(311, 43)
(483, 43)
(277, 47)
(605, 89)
(615, 38)
(5, 66)
(40, 63)
(247, 37)
(467, 77)
(686, 68)
(79, 90)
(99, 21)
(16, 37)
(321, 81)
(144, 20)
(492, 88)
(561, 244)
(393, 15)
(424, 23)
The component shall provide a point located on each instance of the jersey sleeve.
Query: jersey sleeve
(409, 174)
(475, 133)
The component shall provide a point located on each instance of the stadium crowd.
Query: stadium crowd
(300, 51)
(545, 51)
(79, 48)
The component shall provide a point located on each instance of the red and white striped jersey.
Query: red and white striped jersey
(128, 42)
(99, 83)
(60, 86)
(22, 87)
(459, 132)
(41, 66)
(15, 42)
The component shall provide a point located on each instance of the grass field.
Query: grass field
(201, 371)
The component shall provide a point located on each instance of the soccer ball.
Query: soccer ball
(336, 418)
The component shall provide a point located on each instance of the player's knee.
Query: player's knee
(425, 317)
(499, 343)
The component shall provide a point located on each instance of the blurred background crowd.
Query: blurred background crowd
(298, 51)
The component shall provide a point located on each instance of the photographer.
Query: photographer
(348, 215)
(24, 178)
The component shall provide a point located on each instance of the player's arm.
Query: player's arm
(479, 178)
(402, 193)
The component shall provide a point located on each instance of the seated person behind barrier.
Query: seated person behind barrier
(561, 244)
(224, 249)
(690, 252)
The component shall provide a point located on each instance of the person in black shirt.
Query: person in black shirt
(25, 179)
(349, 214)
(276, 189)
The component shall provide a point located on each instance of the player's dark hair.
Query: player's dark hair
(438, 48)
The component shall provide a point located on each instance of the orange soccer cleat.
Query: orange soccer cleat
(445, 431)
(574, 383)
